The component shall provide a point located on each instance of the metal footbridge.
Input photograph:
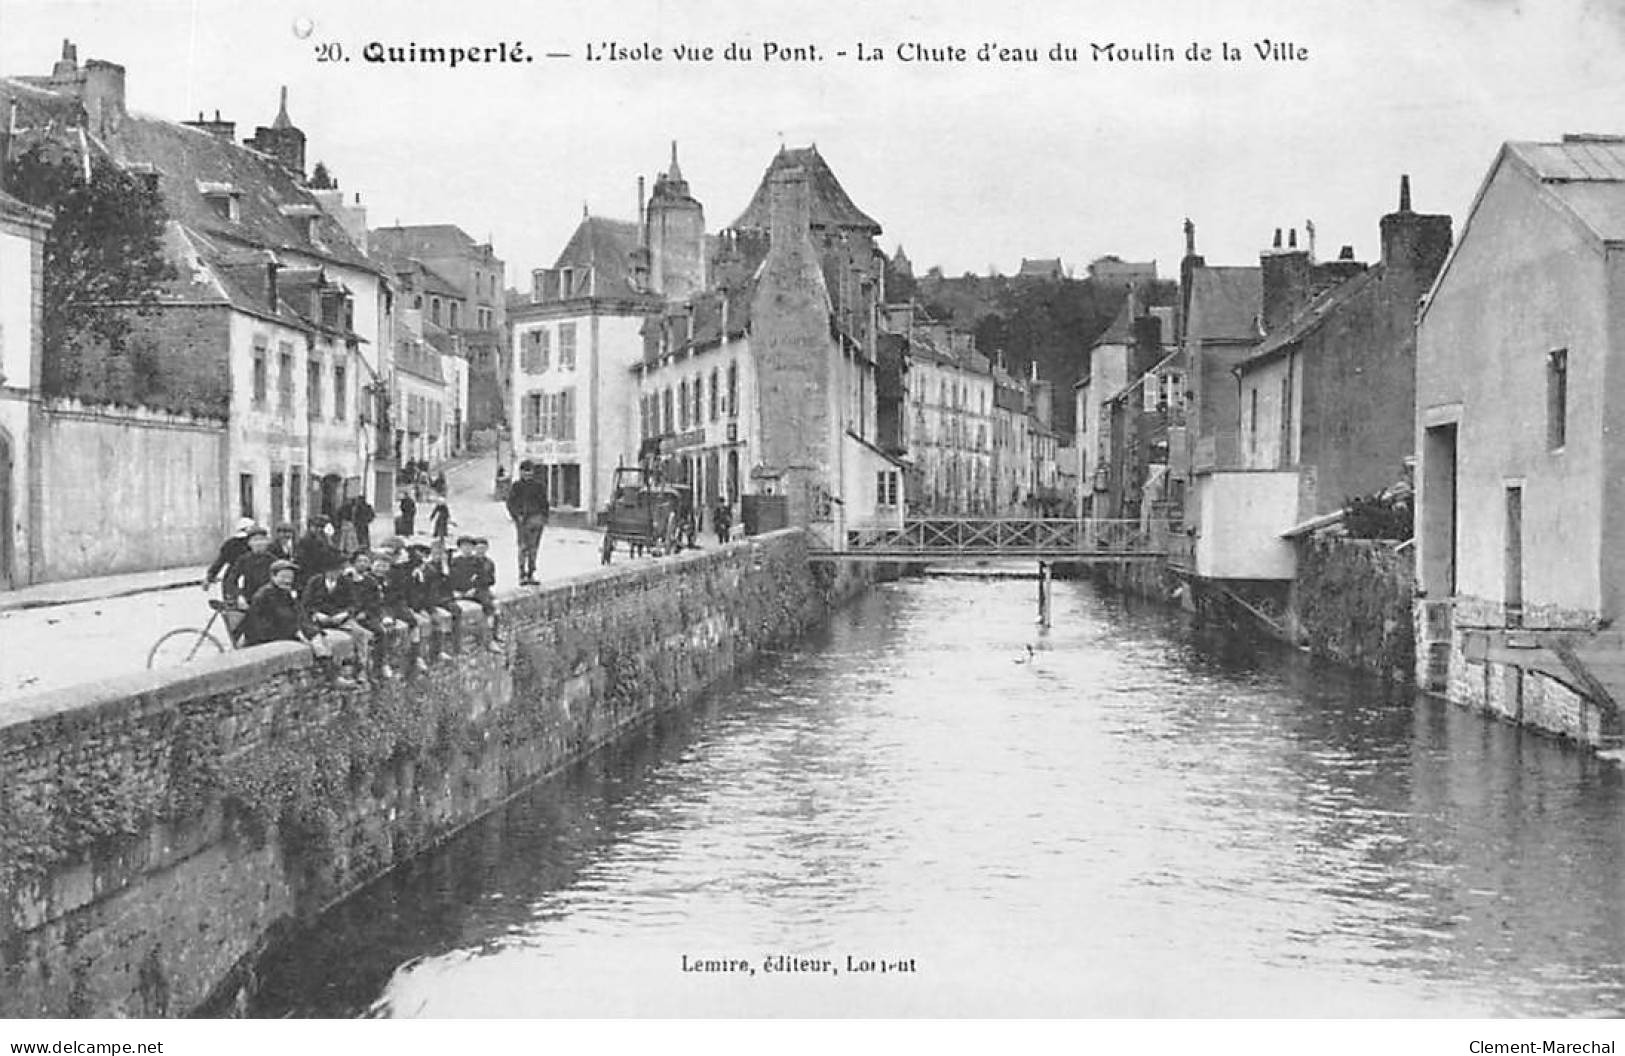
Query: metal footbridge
(943, 539)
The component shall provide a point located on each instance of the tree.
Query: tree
(104, 266)
(321, 179)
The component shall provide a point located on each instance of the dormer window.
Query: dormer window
(303, 217)
(223, 198)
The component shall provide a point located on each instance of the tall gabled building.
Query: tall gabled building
(1520, 389)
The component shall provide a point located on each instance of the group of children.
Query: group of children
(376, 590)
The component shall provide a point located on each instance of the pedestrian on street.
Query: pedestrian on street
(440, 518)
(439, 484)
(406, 523)
(722, 520)
(235, 546)
(275, 614)
(361, 517)
(315, 552)
(529, 509)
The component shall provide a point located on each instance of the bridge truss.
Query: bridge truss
(935, 539)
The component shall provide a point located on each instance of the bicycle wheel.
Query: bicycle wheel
(183, 645)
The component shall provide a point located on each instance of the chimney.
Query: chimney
(226, 130)
(1187, 273)
(273, 291)
(282, 140)
(1292, 239)
(68, 64)
(1287, 281)
(1414, 244)
(1309, 233)
(103, 96)
(789, 208)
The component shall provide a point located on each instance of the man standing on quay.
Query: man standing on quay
(527, 505)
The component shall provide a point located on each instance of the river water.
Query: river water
(1133, 818)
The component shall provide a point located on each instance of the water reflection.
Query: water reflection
(1130, 817)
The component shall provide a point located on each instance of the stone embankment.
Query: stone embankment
(157, 831)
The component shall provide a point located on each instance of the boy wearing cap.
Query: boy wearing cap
(249, 572)
(326, 598)
(470, 580)
(274, 614)
(235, 546)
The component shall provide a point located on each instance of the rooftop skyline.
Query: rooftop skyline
(968, 164)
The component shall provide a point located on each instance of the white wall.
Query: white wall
(1243, 514)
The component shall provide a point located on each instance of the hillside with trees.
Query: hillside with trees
(1048, 321)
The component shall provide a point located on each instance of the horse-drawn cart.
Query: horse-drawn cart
(643, 514)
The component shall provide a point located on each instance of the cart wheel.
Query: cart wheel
(183, 645)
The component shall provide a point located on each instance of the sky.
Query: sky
(970, 165)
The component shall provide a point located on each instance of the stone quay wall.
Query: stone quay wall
(1527, 698)
(158, 831)
(1352, 603)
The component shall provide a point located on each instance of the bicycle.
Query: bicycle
(185, 644)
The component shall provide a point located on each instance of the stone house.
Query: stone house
(953, 436)
(1330, 392)
(781, 336)
(579, 345)
(267, 337)
(1519, 387)
(475, 312)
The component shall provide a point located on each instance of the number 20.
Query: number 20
(330, 52)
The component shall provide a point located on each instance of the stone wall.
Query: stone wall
(125, 489)
(1527, 698)
(1351, 602)
(157, 830)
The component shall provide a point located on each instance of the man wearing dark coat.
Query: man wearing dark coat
(528, 507)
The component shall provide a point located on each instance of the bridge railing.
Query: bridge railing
(1013, 536)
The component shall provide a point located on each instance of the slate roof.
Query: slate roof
(1311, 317)
(1121, 330)
(606, 246)
(1585, 173)
(421, 240)
(707, 309)
(831, 207)
(1225, 303)
(266, 194)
